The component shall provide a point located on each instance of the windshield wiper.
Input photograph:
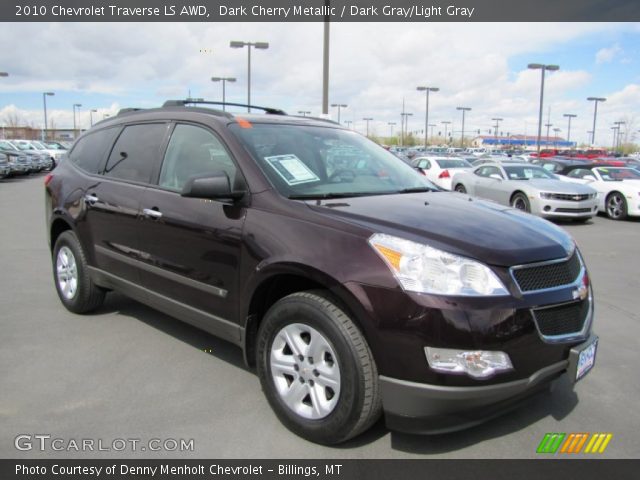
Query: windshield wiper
(313, 196)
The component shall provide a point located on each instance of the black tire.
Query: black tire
(519, 201)
(460, 188)
(616, 206)
(358, 403)
(86, 295)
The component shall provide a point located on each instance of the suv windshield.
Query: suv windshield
(320, 162)
(526, 173)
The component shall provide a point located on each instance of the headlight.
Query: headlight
(546, 196)
(475, 363)
(424, 269)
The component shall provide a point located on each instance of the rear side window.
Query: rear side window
(136, 152)
(89, 152)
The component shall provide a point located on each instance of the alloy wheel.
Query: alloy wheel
(305, 371)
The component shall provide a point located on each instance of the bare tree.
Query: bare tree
(13, 119)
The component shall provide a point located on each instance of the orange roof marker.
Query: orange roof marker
(244, 123)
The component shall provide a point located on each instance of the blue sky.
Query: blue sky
(373, 68)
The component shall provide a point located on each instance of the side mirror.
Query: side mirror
(216, 186)
(495, 176)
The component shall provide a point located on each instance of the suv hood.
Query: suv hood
(456, 223)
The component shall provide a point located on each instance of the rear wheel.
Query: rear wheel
(520, 202)
(460, 188)
(76, 290)
(616, 206)
(316, 369)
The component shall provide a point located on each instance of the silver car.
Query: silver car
(5, 169)
(529, 188)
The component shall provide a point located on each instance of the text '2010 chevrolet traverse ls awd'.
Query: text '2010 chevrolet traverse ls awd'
(354, 285)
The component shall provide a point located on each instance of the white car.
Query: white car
(529, 188)
(34, 145)
(618, 188)
(440, 170)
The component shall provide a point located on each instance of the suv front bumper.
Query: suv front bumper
(431, 409)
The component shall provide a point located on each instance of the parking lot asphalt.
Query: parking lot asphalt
(130, 372)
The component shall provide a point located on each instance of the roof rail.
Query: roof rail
(127, 110)
(197, 101)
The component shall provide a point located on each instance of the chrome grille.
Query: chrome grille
(564, 319)
(548, 275)
(571, 197)
(573, 210)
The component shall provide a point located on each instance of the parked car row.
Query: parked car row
(559, 187)
(21, 157)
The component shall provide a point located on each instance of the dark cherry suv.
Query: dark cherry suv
(354, 285)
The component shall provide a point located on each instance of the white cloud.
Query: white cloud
(607, 55)
(373, 67)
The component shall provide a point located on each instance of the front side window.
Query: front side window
(321, 162)
(194, 151)
(136, 152)
(617, 174)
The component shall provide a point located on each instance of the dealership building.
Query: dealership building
(521, 141)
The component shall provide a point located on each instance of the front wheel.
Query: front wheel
(616, 206)
(460, 188)
(520, 202)
(316, 369)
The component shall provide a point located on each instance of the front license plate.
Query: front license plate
(586, 360)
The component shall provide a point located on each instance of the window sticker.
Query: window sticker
(292, 169)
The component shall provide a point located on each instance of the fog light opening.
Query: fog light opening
(480, 364)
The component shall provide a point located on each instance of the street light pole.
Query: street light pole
(339, 105)
(595, 101)
(259, 46)
(304, 113)
(614, 144)
(367, 119)
(325, 59)
(91, 112)
(569, 117)
(391, 125)
(548, 125)
(497, 125)
(431, 125)
(348, 122)
(543, 68)
(75, 105)
(446, 123)
(44, 103)
(464, 110)
(224, 81)
(426, 115)
(556, 131)
(619, 131)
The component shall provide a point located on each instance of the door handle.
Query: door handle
(152, 213)
(91, 199)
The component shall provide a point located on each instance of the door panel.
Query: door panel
(191, 250)
(112, 221)
(191, 246)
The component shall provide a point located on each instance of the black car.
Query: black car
(353, 285)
